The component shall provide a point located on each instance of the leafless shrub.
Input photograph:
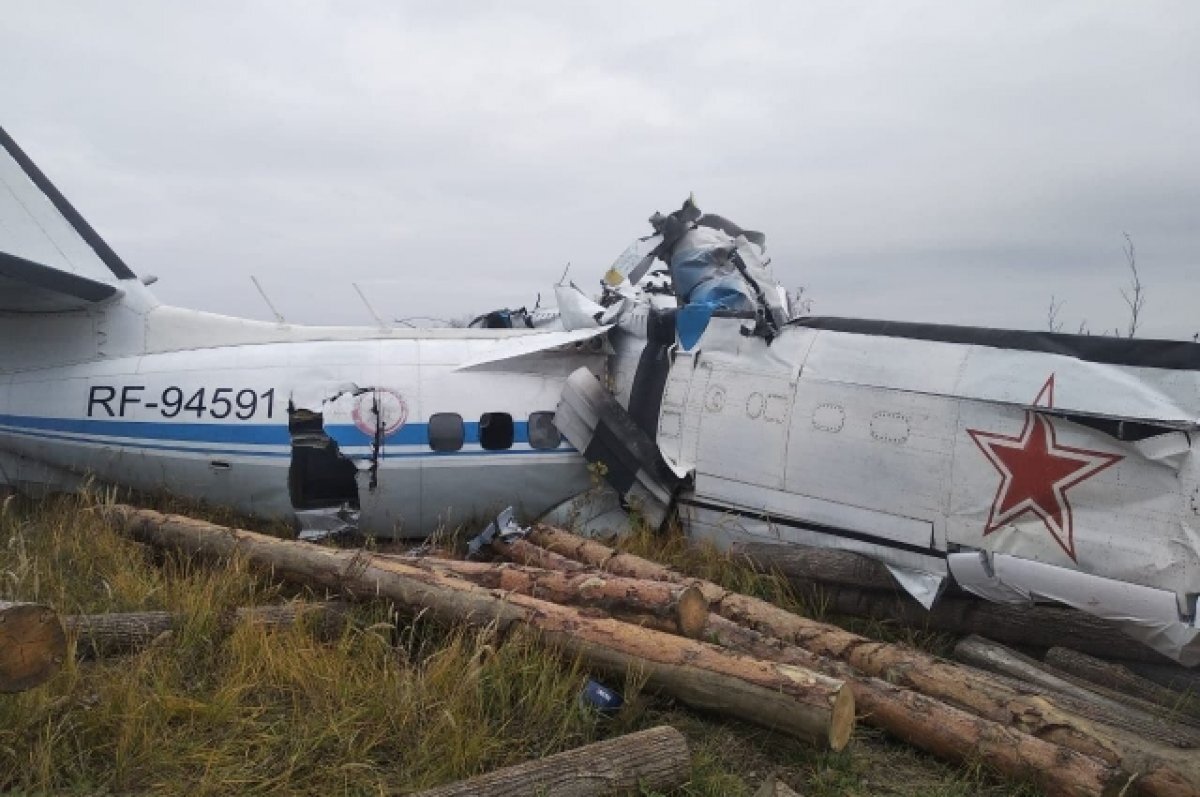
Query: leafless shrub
(1052, 322)
(1135, 296)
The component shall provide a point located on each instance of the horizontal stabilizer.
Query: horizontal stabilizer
(29, 287)
(50, 257)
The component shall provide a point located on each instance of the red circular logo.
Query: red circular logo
(382, 409)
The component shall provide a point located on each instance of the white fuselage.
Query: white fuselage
(212, 421)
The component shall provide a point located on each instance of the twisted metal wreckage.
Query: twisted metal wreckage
(1021, 466)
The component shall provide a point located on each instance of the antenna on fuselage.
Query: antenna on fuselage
(278, 315)
(370, 309)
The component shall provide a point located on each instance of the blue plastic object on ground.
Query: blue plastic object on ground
(599, 697)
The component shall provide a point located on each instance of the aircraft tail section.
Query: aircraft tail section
(51, 260)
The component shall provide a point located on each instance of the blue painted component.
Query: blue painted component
(250, 433)
(597, 696)
(690, 323)
(159, 436)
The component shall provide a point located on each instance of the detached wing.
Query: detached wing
(50, 257)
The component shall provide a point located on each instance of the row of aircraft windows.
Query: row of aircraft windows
(497, 431)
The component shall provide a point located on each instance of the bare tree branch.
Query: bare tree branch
(1135, 297)
(1052, 322)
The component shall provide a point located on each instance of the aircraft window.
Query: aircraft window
(445, 431)
(495, 431)
(542, 431)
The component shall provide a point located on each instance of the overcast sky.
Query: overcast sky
(953, 162)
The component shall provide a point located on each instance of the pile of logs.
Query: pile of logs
(1072, 724)
(849, 584)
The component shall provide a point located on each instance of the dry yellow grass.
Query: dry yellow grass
(391, 706)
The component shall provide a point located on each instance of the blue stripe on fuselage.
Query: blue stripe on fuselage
(246, 433)
(239, 433)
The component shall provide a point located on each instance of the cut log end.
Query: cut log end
(841, 725)
(33, 645)
(692, 612)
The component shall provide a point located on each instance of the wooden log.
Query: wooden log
(526, 553)
(98, 635)
(1117, 676)
(685, 605)
(1162, 770)
(1039, 626)
(847, 583)
(1172, 676)
(937, 728)
(655, 759)
(33, 645)
(810, 706)
(1121, 683)
(989, 655)
(805, 565)
(125, 632)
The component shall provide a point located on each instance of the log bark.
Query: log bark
(526, 553)
(1112, 675)
(1172, 676)
(684, 605)
(657, 759)
(811, 706)
(1162, 770)
(33, 645)
(1029, 626)
(125, 632)
(98, 635)
(805, 565)
(937, 728)
(1128, 688)
(989, 655)
(854, 585)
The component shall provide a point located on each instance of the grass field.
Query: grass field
(392, 705)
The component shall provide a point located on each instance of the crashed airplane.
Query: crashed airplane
(1018, 465)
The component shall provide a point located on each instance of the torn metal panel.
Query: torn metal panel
(515, 353)
(716, 266)
(604, 432)
(924, 586)
(596, 512)
(579, 312)
(319, 524)
(320, 476)
(1152, 616)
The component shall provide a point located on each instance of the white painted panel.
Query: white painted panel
(1137, 520)
(723, 528)
(1003, 375)
(884, 450)
(787, 504)
(743, 419)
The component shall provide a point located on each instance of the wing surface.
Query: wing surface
(50, 257)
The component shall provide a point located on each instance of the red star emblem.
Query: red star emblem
(1036, 472)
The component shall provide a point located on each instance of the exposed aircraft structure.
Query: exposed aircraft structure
(1019, 465)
